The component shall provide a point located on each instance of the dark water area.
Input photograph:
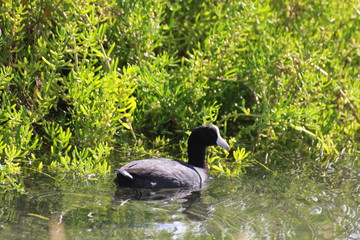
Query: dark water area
(265, 207)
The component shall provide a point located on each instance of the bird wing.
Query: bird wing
(162, 171)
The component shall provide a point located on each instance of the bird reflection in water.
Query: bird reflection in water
(190, 199)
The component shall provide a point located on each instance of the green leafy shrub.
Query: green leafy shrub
(64, 97)
(78, 76)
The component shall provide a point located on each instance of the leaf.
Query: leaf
(48, 63)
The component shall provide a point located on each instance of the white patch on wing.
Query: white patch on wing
(126, 174)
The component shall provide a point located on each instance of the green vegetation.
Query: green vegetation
(80, 78)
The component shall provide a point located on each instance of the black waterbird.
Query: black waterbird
(169, 173)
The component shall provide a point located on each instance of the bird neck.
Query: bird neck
(196, 156)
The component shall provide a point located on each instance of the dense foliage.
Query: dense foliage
(80, 77)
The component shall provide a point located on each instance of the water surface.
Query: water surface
(266, 207)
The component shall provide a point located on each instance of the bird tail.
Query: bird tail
(124, 173)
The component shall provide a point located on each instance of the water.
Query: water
(267, 207)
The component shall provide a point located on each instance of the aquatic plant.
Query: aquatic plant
(79, 78)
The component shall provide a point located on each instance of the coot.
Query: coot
(169, 173)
